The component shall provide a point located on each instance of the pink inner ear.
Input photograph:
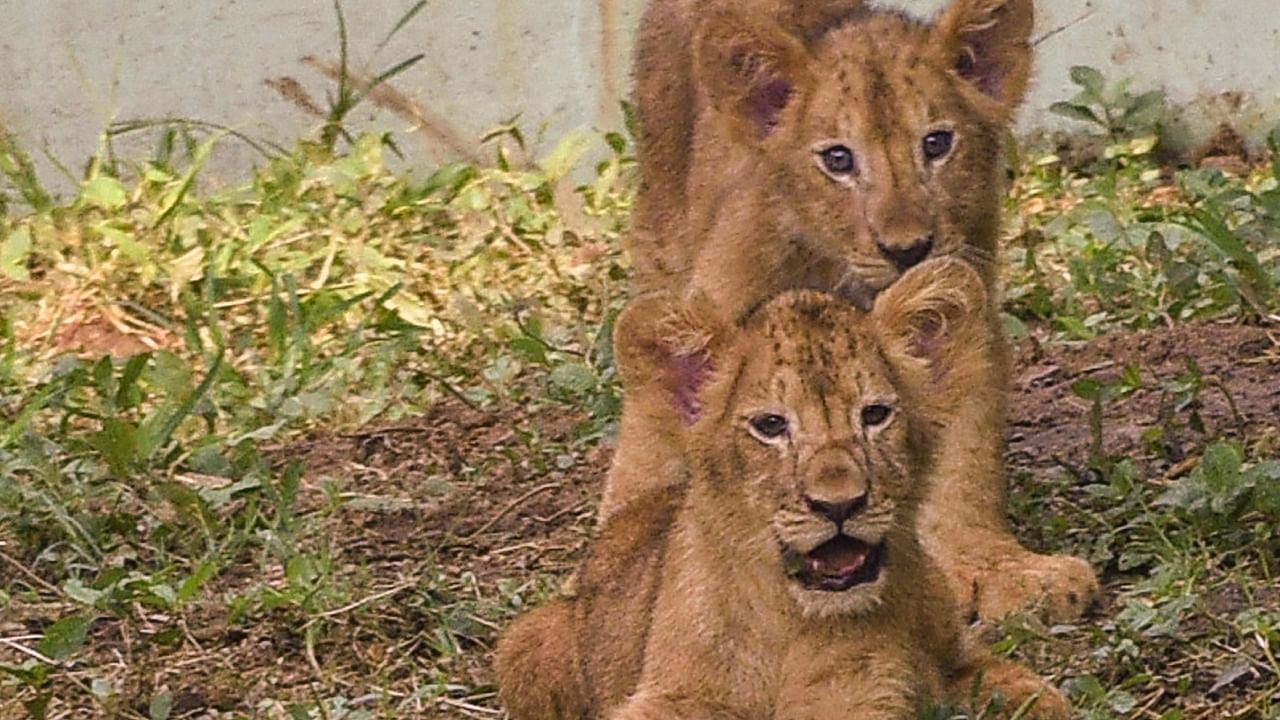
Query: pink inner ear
(929, 342)
(977, 65)
(691, 373)
(769, 97)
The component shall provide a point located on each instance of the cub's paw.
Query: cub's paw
(1058, 588)
(1010, 690)
(1034, 702)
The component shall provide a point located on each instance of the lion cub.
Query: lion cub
(784, 579)
(834, 148)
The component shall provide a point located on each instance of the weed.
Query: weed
(298, 448)
(1112, 107)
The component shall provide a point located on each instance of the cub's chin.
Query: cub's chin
(842, 576)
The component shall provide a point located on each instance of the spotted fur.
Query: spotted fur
(685, 609)
(737, 101)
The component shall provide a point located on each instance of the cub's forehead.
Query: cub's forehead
(809, 331)
(880, 41)
(885, 61)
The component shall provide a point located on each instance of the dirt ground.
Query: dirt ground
(504, 524)
(451, 520)
(507, 525)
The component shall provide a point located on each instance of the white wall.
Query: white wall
(73, 65)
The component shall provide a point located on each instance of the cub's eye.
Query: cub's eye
(838, 160)
(768, 426)
(876, 414)
(937, 144)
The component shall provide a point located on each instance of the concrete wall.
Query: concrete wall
(71, 66)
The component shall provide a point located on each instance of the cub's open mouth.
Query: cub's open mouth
(837, 565)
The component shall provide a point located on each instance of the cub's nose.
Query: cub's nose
(907, 256)
(837, 511)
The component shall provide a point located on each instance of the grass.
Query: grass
(298, 447)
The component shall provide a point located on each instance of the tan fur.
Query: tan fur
(685, 606)
(667, 106)
(751, 213)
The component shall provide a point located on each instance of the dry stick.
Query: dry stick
(1066, 26)
(66, 666)
(29, 652)
(559, 514)
(455, 392)
(511, 506)
(359, 603)
(469, 708)
(25, 571)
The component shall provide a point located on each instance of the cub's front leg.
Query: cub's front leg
(653, 705)
(536, 664)
(1004, 688)
(872, 685)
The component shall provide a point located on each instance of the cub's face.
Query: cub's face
(887, 159)
(883, 136)
(816, 441)
(808, 423)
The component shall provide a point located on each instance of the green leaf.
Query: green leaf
(165, 593)
(161, 705)
(574, 378)
(566, 154)
(104, 192)
(1188, 495)
(1214, 228)
(65, 637)
(1086, 687)
(203, 572)
(198, 158)
(101, 687)
(1220, 468)
(38, 709)
(531, 348)
(1014, 327)
(1076, 328)
(1089, 79)
(1145, 110)
(130, 248)
(1075, 112)
(1088, 389)
(452, 177)
(14, 252)
(82, 593)
(302, 571)
(118, 443)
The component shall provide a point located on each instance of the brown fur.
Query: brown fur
(755, 214)
(667, 105)
(686, 607)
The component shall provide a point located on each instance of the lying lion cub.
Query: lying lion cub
(784, 580)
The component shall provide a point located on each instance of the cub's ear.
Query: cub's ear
(988, 44)
(665, 346)
(933, 326)
(750, 69)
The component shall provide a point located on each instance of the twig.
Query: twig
(29, 652)
(1065, 26)
(468, 708)
(393, 430)
(362, 602)
(1098, 367)
(449, 388)
(560, 513)
(35, 578)
(511, 506)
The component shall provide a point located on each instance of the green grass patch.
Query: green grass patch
(176, 359)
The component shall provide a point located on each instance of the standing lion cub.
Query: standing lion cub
(784, 580)
(817, 144)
